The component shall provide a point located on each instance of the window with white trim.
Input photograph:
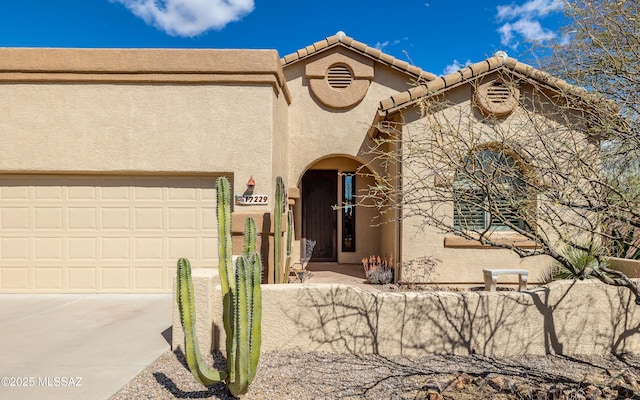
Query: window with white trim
(489, 193)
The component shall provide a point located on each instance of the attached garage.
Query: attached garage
(103, 234)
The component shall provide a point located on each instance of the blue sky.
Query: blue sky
(436, 35)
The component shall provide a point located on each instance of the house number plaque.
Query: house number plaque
(252, 199)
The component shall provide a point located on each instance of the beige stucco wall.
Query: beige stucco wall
(109, 113)
(325, 138)
(231, 112)
(565, 317)
(144, 110)
(137, 128)
(317, 131)
(465, 124)
(630, 268)
(281, 143)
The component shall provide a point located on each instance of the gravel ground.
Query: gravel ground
(313, 375)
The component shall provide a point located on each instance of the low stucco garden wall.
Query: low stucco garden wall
(630, 268)
(565, 317)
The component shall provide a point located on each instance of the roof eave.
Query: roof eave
(340, 39)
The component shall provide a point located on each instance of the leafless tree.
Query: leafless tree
(600, 50)
(542, 172)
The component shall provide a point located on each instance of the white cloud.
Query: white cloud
(528, 10)
(456, 66)
(531, 31)
(188, 17)
(523, 21)
(381, 45)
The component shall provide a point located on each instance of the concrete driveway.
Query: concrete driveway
(79, 346)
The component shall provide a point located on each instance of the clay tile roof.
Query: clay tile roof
(498, 61)
(340, 39)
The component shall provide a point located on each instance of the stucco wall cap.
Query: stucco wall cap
(190, 66)
(138, 60)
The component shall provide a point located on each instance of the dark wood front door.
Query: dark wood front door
(319, 194)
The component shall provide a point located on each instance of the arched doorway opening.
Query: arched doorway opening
(332, 215)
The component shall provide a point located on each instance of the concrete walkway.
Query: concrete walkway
(78, 346)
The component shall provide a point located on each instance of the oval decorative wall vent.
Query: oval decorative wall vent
(339, 77)
(496, 98)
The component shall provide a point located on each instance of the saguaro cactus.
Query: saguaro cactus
(242, 304)
(245, 312)
(186, 304)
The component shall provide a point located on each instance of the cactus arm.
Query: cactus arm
(250, 236)
(256, 320)
(241, 323)
(277, 232)
(241, 300)
(186, 305)
(223, 214)
(248, 277)
(225, 265)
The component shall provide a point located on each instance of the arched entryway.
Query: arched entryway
(330, 212)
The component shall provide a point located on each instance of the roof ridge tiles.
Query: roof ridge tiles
(493, 63)
(341, 39)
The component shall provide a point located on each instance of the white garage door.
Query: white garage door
(98, 234)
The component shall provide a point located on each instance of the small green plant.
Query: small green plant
(242, 304)
(579, 258)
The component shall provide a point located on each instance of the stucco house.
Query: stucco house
(110, 158)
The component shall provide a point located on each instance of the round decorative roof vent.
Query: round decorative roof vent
(339, 81)
(339, 77)
(496, 98)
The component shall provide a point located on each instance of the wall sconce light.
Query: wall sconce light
(251, 183)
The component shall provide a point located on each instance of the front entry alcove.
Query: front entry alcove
(332, 213)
